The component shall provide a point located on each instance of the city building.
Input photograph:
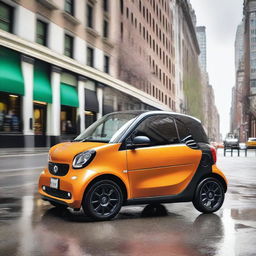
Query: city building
(245, 89)
(211, 120)
(147, 49)
(238, 119)
(188, 74)
(201, 36)
(65, 63)
(59, 69)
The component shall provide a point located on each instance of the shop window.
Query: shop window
(6, 17)
(39, 118)
(68, 120)
(68, 44)
(69, 6)
(41, 32)
(10, 113)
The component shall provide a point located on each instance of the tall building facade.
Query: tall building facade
(238, 123)
(59, 68)
(243, 110)
(147, 50)
(188, 75)
(65, 63)
(201, 36)
(211, 119)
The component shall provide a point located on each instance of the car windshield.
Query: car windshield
(252, 139)
(108, 128)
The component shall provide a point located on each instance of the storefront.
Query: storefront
(42, 95)
(69, 105)
(11, 92)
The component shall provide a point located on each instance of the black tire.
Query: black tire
(209, 195)
(103, 200)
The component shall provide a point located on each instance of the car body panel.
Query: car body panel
(108, 160)
(162, 170)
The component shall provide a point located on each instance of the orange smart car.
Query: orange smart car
(137, 157)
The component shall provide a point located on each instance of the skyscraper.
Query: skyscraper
(201, 36)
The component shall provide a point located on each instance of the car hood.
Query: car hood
(65, 152)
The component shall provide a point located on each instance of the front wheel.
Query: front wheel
(209, 195)
(103, 200)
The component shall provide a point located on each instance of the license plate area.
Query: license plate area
(54, 183)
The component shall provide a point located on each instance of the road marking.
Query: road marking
(35, 154)
(23, 169)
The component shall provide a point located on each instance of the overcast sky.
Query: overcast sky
(220, 17)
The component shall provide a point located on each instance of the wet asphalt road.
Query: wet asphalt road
(29, 226)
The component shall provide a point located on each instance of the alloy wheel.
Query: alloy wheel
(104, 200)
(211, 195)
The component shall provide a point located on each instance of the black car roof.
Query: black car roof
(191, 123)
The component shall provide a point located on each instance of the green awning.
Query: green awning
(69, 96)
(42, 84)
(11, 79)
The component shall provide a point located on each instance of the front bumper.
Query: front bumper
(70, 191)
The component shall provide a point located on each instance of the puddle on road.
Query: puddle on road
(148, 229)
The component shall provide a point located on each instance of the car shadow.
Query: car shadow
(154, 210)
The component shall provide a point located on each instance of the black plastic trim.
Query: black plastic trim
(46, 198)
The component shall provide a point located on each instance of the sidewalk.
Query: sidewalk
(21, 151)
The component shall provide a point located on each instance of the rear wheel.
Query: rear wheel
(103, 200)
(209, 195)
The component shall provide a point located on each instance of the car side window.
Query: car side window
(182, 129)
(160, 129)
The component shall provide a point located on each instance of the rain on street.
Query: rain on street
(30, 226)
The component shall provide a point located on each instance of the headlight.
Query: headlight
(83, 159)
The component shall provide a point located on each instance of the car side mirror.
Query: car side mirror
(139, 141)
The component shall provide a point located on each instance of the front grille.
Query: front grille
(58, 169)
(57, 193)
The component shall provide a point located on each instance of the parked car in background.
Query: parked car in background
(251, 143)
(231, 141)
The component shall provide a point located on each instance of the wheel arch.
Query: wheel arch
(112, 178)
(218, 177)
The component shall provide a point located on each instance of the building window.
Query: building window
(68, 44)
(41, 32)
(105, 5)
(105, 28)
(106, 64)
(69, 6)
(90, 57)
(6, 17)
(89, 16)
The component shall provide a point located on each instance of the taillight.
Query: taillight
(214, 154)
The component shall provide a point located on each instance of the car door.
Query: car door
(166, 166)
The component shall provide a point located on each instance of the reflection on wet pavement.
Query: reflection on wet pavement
(30, 226)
